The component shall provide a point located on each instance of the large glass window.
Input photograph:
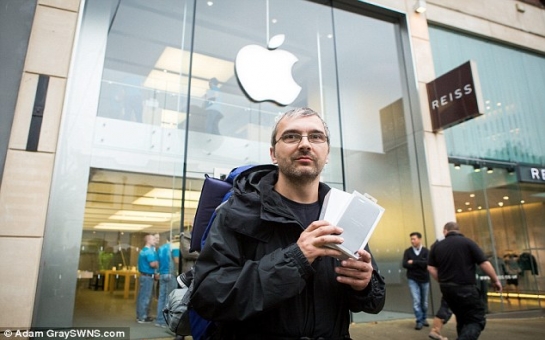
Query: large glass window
(502, 214)
(379, 142)
(236, 128)
(510, 128)
(504, 218)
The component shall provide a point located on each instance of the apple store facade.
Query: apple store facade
(162, 93)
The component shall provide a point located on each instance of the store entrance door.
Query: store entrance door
(121, 209)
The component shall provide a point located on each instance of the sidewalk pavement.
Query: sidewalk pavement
(528, 325)
(514, 325)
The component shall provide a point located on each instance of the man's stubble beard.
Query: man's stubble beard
(300, 176)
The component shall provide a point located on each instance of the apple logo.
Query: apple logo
(265, 73)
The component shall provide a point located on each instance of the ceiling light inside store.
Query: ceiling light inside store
(143, 216)
(168, 198)
(477, 168)
(489, 170)
(171, 118)
(166, 82)
(164, 202)
(171, 72)
(456, 165)
(121, 226)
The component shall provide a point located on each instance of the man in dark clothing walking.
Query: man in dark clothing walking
(266, 271)
(453, 263)
(415, 260)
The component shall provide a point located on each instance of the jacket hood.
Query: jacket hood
(256, 184)
(261, 179)
(249, 180)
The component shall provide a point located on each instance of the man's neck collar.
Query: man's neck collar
(297, 192)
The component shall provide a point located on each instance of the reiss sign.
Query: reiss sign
(455, 97)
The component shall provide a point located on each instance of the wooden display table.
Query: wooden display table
(110, 275)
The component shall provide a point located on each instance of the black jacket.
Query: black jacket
(418, 270)
(254, 281)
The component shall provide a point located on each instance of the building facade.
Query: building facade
(115, 110)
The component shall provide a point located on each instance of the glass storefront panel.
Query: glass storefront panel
(164, 106)
(119, 167)
(136, 184)
(503, 213)
(234, 129)
(502, 216)
(378, 142)
(510, 78)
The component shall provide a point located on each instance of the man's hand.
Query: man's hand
(497, 286)
(313, 239)
(433, 272)
(356, 273)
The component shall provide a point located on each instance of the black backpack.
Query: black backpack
(180, 318)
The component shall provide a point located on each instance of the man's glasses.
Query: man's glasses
(294, 138)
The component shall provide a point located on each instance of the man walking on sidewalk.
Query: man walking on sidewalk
(453, 263)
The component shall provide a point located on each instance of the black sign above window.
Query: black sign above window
(455, 97)
(531, 174)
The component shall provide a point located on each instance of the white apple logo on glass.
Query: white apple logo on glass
(265, 73)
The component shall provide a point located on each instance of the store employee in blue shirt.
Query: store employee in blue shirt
(169, 258)
(147, 263)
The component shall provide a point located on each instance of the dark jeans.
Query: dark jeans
(444, 313)
(465, 302)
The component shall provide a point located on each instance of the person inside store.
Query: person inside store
(512, 272)
(265, 271)
(415, 260)
(133, 99)
(155, 289)
(168, 257)
(211, 106)
(147, 264)
(452, 262)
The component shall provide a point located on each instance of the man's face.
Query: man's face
(415, 241)
(301, 161)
